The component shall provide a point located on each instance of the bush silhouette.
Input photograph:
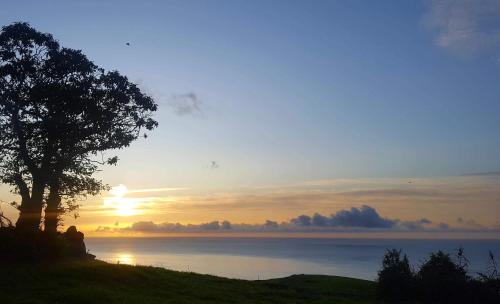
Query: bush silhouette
(396, 280)
(443, 281)
(440, 279)
(41, 246)
(488, 285)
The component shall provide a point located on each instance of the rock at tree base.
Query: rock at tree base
(74, 239)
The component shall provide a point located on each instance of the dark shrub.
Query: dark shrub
(34, 247)
(487, 287)
(439, 280)
(396, 281)
(443, 281)
(75, 246)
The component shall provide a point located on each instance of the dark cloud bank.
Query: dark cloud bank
(365, 218)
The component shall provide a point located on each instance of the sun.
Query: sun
(122, 205)
(119, 191)
(125, 206)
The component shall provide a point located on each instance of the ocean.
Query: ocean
(265, 258)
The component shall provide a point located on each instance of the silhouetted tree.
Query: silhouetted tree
(439, 280)
(443, 281)
(58, 113)
(64, 190)
(492, 269)
(490, 280)
(396, 280)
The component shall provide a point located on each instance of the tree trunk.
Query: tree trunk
(30, 214)
(52, 210)
(29, 217)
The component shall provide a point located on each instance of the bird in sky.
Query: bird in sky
(128, 43)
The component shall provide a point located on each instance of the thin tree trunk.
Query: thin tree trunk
(52, 210)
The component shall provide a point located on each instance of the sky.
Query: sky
(269, 110)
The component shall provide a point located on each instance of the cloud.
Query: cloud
(271, 224)
(210, 226)
(469, 223)
(393, 193)
(302, 221)
(104, 229)
(415, 225)
(320, 220)
(225, 225)
(437, 199)
(186, 104)
(443, 226)
(486, 174)
(441, 199)
(145, 226)
(165, 189)
(364, 218)
(214, 165)
(467, 27)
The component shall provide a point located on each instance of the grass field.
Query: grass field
(99, 282)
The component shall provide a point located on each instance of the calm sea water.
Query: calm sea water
(264, 258)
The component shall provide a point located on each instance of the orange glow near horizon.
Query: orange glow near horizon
(444, 201)
(123, 206)
(329, 235)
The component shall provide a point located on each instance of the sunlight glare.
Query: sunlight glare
(123, 206)
(125, 258)
(119, 191)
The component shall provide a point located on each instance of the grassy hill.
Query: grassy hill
(99, 282)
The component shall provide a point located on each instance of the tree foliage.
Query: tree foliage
(440, 279)
(396, 278)
(443, 280)
(58, 113)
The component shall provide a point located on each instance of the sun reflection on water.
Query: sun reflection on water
(125, 258)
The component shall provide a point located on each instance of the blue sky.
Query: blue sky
(312, 90)
(278, 92)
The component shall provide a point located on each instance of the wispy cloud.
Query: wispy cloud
(186, 104)
(167, 189)
(214, 165)
(440, 201)
(469, 223)
(467, 27)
